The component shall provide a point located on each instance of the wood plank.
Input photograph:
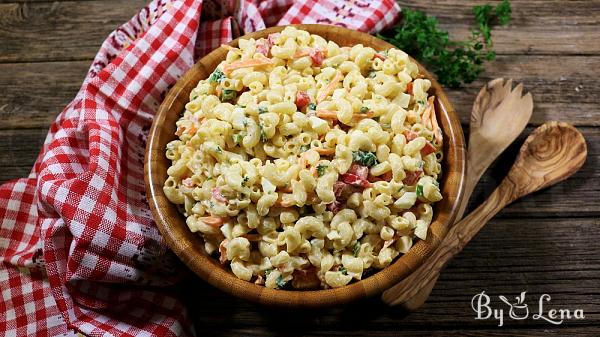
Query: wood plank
(34, 93)
(59, 30)
(73, 30)
(507, 257)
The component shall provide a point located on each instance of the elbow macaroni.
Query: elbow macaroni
(310, 169)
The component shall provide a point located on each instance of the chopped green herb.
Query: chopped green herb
(245, 181)
(343, 270)
(419, 190)
(364, 109)
(237, 138)
(321, 169)
(371, 74)
(242, 106)
(454, 62)
(262, 110)
(219, 149)
(268, 271)
(245, 122)
(312, 106)
(263, 135)
(211, 204)
(194, 97)
(365, 158)
(400, 189)
(356, 249)
(304, 148)
(421, 102)
(217, 76)
(280, 282)
(228, 95)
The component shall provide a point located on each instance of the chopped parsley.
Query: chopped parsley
(364, 109)
(419, 190)
(371, 74)
(245, 181)
(421, 102)
(245, 122)
(268, 271)
(280, 282)
(262, 110)
(242, 106)
(356, 249)
(263, 135)
(343, 270)
(228, 95)
(312, 106)
(218, 149)
(321, 169)
(217, 76)
(237, 138)
(365, 158)
(304, 148)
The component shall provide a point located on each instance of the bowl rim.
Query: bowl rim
(189, 248)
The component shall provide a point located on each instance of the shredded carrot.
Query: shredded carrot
(218, 90)
(213, 221)
(327, 114)
(228, 68)
(180, 130)
(330, 87)
(437, 133)
(302, 53)
(191, 130)
(325, 152)
(284, 203)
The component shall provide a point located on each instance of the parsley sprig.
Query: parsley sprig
(454, 62)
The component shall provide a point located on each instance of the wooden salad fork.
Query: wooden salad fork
(500, 113)
(552, 152)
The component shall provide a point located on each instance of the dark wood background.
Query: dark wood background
(548, 242)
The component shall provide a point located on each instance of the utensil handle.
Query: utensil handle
(454, 242)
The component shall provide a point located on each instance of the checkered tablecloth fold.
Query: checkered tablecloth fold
(80, 251)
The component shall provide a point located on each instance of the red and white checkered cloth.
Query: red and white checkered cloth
(79, 249)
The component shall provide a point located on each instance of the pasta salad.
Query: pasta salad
(305, 165)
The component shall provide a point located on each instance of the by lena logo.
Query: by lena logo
(519, 310)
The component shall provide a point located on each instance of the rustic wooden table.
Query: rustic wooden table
(547, 243)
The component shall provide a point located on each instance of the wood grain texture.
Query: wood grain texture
(552, 153)
(59, 30)
(187, 245)
(36, 92)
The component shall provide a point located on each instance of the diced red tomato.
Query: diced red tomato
(410, 135)
(409, 88)
(334, 207)
(317, 56)
(427, 149)
(305, 278)
(354, 180)
(341, 189)
(216, 193)
(379, 56)
(361, 171)
(412, 177)
(302, 99)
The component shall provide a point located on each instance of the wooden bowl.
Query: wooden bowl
(189, 247)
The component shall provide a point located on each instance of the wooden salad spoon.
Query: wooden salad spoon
(496, 104)
(552, 152)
